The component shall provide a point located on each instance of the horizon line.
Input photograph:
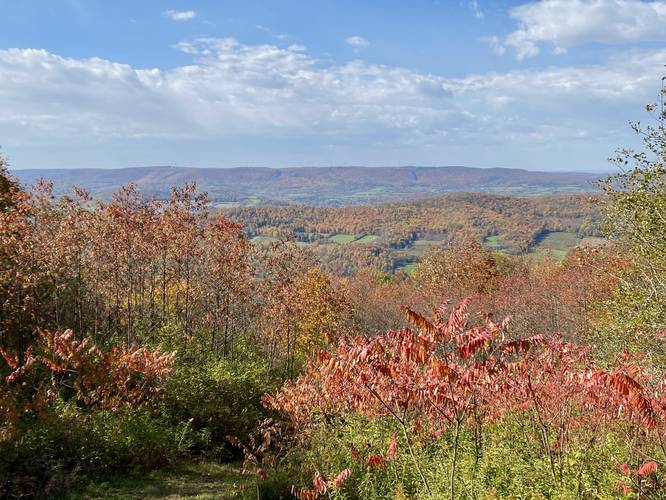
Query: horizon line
(136, 167)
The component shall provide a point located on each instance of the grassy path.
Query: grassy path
(202, 480)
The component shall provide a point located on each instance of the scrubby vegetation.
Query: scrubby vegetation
(145, 335)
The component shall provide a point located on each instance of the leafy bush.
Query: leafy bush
(69, 408)
(510, 466)
(57, 366)
(50, 452)
(218, 397)
(442, 406)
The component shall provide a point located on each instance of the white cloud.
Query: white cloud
(476, 9)
(568, 23)
(180, 15)
(495, 44)
(246, 94)
(278, 36)
(358, 42)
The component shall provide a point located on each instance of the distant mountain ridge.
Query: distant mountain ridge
(332, 186)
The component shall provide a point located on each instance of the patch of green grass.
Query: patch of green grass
(559, 240)
(368, 238)
(408, 268)
(557, 244)
(493, 242)
(343, 238)
(541, 253)
(201, 480)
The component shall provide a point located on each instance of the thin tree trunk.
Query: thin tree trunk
(454, 460)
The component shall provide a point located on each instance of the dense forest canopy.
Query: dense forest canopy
(138, 333)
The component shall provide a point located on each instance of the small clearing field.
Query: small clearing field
(494, 242)
(342, 239)
(557, 243)
(367, 239)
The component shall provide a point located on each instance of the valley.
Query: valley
(396, 236)
(321, 186)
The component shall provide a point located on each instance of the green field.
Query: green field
(556, 244)
(342, 238)
(408, 268)
(494, 242)
(368, 238)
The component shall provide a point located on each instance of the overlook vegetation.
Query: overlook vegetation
(165, 347)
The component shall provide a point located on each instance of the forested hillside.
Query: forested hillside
(391, 236)
(328, 186)
(141, 334)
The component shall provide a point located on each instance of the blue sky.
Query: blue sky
(547, 84)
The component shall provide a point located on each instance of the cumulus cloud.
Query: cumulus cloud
(230, 89)
(180, 15)
(358, 42)
(568, 23)
(245, 94)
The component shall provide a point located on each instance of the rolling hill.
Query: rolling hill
(331, 186)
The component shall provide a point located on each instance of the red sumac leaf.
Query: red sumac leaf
(342, 477)
(649, 467)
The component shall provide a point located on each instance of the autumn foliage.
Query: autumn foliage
(446, 375)
(57, 366)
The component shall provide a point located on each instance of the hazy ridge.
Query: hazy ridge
(333, 186)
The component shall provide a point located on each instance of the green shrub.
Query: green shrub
(218, 397)
(511, 465)
(52, 450)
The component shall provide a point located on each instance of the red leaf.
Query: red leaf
(319, 483)
(342, 477)
(648, 468)
(376, 461)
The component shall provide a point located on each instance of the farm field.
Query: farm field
(493, 242)
(342, 239)
(556, 244)
(366, 240)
